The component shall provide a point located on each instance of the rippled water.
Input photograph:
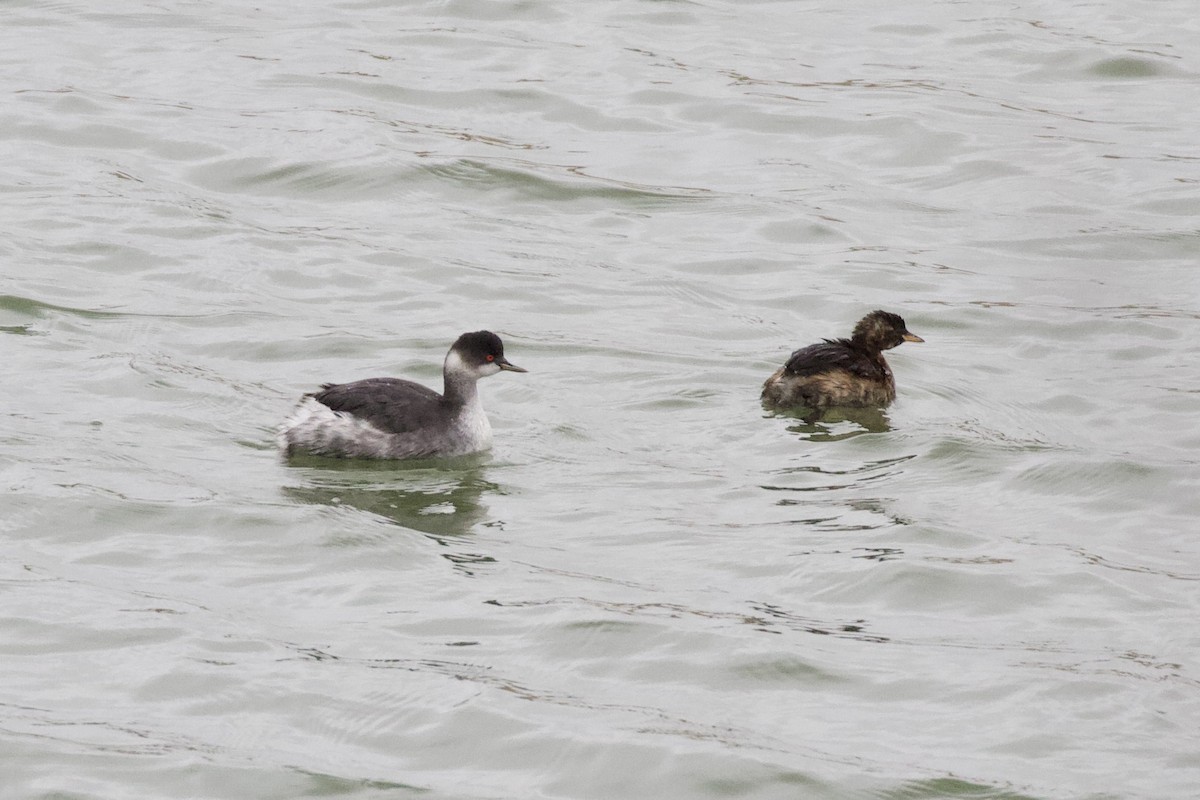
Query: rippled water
(650, 587)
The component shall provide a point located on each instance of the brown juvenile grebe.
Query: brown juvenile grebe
(841, 372)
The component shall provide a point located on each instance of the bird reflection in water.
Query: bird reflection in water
(836, 424)
(442, 499)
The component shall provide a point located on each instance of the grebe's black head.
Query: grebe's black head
(480, 353)
(882, 330)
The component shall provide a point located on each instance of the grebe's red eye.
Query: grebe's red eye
(491, 358)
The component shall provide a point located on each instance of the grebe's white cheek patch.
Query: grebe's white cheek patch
(455, 363)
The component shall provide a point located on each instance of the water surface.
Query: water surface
(649, 587)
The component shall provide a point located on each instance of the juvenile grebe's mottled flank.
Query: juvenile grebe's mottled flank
(397, 419)
(841, 372)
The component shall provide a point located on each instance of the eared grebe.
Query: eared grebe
(841, 372)
(393, 418)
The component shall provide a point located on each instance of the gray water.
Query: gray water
(649, 588)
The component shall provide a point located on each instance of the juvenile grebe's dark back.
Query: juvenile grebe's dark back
(841, 372)
(397, 419)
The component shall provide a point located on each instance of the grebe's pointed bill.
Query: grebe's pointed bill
(912, 337)
(505, 364)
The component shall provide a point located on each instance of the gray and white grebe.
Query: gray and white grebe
(398, 419)
(841, 372)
